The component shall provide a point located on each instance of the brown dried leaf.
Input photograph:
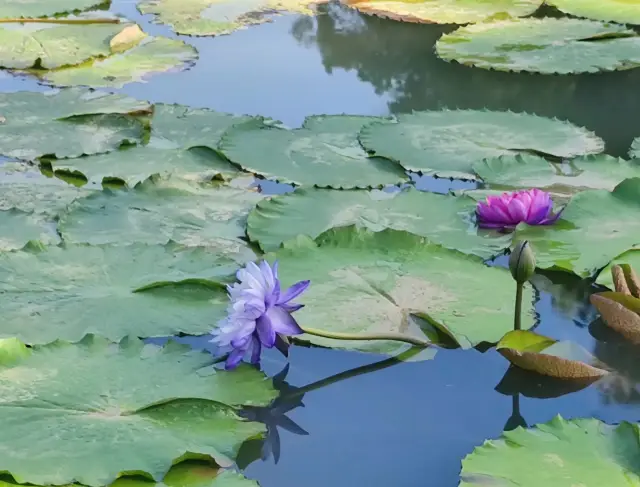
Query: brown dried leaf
(618, 316)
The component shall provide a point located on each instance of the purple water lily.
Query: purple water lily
(506, 211)
(258, 313)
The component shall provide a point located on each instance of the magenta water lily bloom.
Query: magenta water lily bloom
(531, 206)
(258, 313)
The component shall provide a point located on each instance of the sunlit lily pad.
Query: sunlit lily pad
(595, 227)
(580, 452)
(565, 178)
(446, 220)
(215, 17)
(446, 11)
(379, 282)
(547, 45)
(325, 152)
(448, 143)
(17, 228)
(630, 258)
(150, 56)
(68, 123)
(622, 11)
(15, 9)
(67, 292)
(119, 408)
(546, 356)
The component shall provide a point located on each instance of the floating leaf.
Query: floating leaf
(445, 220)
(17, 228)
(625, 280)
(152, 55)
(564, 178)
(630, 259)
(537, 353)
(548, 46)
(216, 17)
(147, 406)
(447, 11)
(41, 8)
(580, 452)
(448, 143)
(324, 152)
(609, 220)
(621, 312)
(378, 282)
(68, 123)
(127, 38)
(622, 11)
(160, 211)
(143, 290)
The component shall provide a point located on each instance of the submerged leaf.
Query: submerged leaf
(11, 9)
(622, 11)
(621, 312)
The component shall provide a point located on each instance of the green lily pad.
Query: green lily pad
(325, 152)
(630, 258)
(445, 220)
(112, 291)
(160, 211)
(564, 178)
(580, 452)
(17, 9)
(548, 46)
(595, 227)
(447, 11)
(68, 123)
(216, 17)
(17, 228)
(119, 409)
(448, 143)
(151, 55)
(622, 11)
(380, 282)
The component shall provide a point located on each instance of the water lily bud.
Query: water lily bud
(522, 262)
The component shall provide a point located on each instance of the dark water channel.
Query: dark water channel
(401, 424)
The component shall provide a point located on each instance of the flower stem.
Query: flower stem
(60, 21)
(398, 337)
(517, 318)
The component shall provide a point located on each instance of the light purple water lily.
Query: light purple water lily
(258, 313)
(506, 211)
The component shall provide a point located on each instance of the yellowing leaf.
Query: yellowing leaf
(128, 37)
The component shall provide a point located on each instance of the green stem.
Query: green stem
(398, 337)
(517, 318)
(60, 21)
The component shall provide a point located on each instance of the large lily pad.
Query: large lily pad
(215, 17)
(152, 55)
(622, 11)
(159, 211)
(68, 292)
(630, 258)
(68, 123)
(580, 452)
(595, 227)
(548, 45)
(564, 178)
(325, 152)
(447, 11)
(15, 9)
(116, 409)
(448, 143)
(445, 220)
(17, 228)
(378, 282)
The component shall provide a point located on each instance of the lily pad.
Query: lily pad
(17, 228)
(447, 11)
(448, 143)
(152, 55)
(630, 258)
(41, 8)
(622, 11)
(565, 178)
(68, 123)
(548, 46)
(580, 452)
(635, 148)
(445, 220)
(621, 312)
(96, 390)
(216, 17)
(112, 291)
(546, 356)
(160, 211)
(609, 220)
(325, 152)
(380, 282)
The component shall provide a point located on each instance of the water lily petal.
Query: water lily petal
(234, 358)
(256, 349)
(265, 330)
(293, 292)
(282, 322)
(517, 211)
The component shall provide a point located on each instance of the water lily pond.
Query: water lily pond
(408, 165)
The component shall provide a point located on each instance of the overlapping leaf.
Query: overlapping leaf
(325, 152)
(445, 220)
(395, 281)
(11, 9)
(17, 228)
(630, 258)
(135, 407)
(547, 45)
(622, 11)
(447, 143)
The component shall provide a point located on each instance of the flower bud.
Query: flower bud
(522, 262)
